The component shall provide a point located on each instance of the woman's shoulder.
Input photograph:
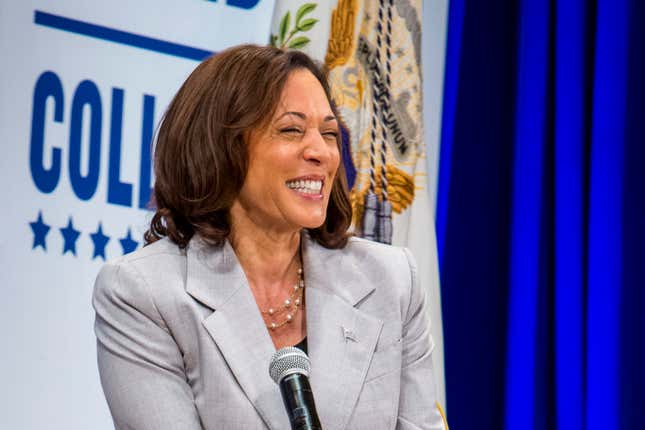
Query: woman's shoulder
(368, 252)
(154, 256)
(157, 264)
(391, 270)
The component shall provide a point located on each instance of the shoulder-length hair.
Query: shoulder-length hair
(201, 155)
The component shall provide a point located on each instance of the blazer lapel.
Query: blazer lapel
(341, 338)
(216, 279)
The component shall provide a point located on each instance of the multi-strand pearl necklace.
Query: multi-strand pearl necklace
(290, 305)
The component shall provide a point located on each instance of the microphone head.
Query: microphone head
(287, 361)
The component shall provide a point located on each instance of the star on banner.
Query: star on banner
(40, 230)
(70, 235)
(99, 240)
(128, 244)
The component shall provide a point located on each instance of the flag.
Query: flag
(373, 52)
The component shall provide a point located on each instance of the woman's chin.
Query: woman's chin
(311, 222)
(310, 216)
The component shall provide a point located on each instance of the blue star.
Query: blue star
(128, 244)
(99, 240)
(70, 235)
(40, 230)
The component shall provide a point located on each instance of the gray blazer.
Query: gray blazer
(182, 345)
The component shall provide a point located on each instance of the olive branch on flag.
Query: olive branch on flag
(287, 35)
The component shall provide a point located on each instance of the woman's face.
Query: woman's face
(293, 161)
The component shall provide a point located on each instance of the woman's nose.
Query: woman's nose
(317, 149)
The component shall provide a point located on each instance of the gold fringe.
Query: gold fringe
(443, 415)
(400, 191)
(341, 36)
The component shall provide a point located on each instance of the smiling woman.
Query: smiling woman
(293, 161)
(216, 127)
(248, 251)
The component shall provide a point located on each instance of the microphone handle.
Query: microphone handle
(299, 401)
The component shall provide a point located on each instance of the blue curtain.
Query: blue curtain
(541, 214)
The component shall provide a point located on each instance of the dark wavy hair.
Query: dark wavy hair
(201, 155)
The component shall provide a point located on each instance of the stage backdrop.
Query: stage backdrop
(83, 88)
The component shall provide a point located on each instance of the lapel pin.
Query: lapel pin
(349, 335)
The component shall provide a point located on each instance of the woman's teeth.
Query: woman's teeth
(307, 187)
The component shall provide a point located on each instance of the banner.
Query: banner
(84, 85)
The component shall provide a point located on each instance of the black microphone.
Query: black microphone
(289, 369)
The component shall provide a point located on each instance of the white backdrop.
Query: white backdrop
(48, 365)
(82, 85)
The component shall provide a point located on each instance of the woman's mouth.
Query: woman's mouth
(306, 186)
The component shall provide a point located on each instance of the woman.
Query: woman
(247, 252)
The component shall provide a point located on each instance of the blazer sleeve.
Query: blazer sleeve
(140, 364)
(418, 407)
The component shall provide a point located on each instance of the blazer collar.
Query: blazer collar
(341, 338)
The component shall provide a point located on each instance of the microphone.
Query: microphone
(289, 368)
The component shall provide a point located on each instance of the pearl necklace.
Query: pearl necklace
(290, 305)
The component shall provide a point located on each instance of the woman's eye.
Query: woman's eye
(291, 130)
(331, 134)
